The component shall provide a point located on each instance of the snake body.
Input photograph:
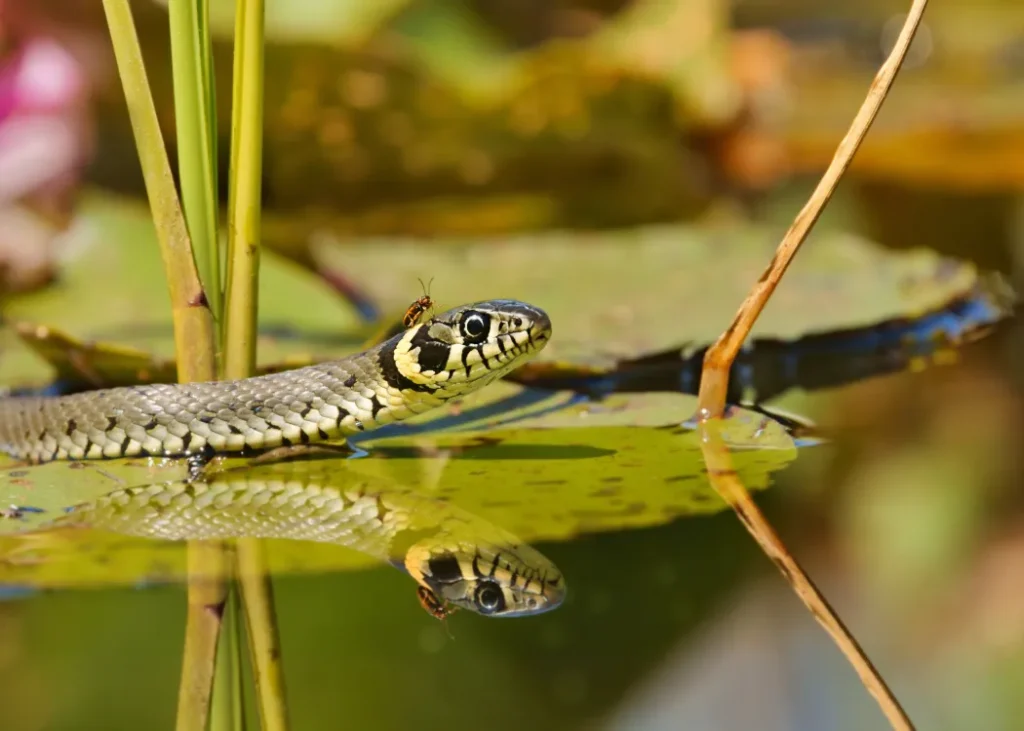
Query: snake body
(458, 556)
(419, 369)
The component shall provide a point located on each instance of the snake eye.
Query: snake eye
(475, 327)
(489, 598)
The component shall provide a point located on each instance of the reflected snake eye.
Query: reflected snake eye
(475, 327)
(489, 598)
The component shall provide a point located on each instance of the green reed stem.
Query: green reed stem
(195, 350)
(193, 320)
(240, 317)
(244, 192)
(195, 121)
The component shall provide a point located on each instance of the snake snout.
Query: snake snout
(541, 322)
(538, 322)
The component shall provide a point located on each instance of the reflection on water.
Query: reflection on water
(457, 556)
(453, 510)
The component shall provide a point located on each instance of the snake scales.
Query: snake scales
(417, 370)
(459, 558)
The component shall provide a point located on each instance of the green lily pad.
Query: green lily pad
(634, 292)
(117, 243)
(615, 295)
(565, 468)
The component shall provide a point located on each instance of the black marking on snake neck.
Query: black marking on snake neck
(445, 569)
(433, 353)
(389, 368)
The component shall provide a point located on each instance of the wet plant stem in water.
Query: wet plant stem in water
(226, 710)
(208, 569)
(240, 318)
(714, 381)
(726, 482)
(194, 336)
(720, 356)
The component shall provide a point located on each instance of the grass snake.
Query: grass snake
(419, 369)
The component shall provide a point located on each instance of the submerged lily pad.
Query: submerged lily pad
(561, 468)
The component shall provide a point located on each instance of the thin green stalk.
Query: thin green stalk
(240, 316)
(195, 122)
(264, 643)
(193, 320)
(244, 192)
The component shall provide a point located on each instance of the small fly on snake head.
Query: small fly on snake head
(417, 308)
(433, 604)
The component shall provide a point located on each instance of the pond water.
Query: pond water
(563, 520)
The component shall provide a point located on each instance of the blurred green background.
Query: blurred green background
(437, 120)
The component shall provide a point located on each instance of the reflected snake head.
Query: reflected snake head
(473, 344)
(511, 580)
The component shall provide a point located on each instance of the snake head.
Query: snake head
(511, 581)
(473, 344)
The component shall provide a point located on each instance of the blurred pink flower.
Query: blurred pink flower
(45, 131)
(46, 140)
